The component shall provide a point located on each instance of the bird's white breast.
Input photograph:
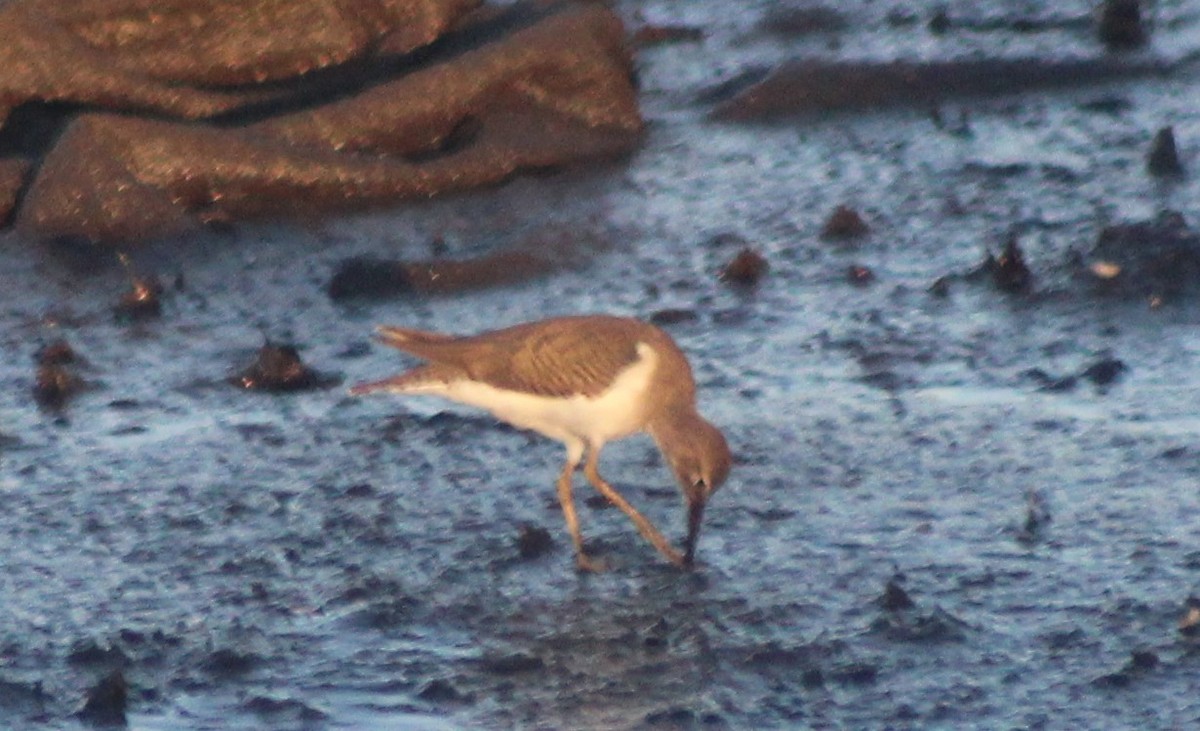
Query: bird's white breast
(617, 412)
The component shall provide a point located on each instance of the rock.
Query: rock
(142, 301)
(106, 702)
(552, 91)
(894, 597)
(1157, 259)
(844, 223)
(807, 86)
(1163, 159)
(1121, 25)
(745, 269)
(533, 541)
(278, 368)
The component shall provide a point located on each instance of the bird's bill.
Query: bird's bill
(695, 518)
(386, 384)
(389, 335)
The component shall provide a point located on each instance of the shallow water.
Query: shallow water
(316, 561)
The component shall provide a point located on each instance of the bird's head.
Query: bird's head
(700, 458)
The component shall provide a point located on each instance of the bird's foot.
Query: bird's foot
(683, 561)
(585, 564)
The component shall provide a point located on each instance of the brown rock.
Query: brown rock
(844, 223)
(555, 92)
(155, 54)
(746, 268)
(808, 86)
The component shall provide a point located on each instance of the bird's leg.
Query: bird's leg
(592, 470)
(582, 560)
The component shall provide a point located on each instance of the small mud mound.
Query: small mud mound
(1158, 260)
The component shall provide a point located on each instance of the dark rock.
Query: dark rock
(1121, 25)
(367, 277)
(142, 301)
(1049, 383)
(673, 316)
(440, 690)
(856, 673)
(940, 287)
(792, 21)
(1140, 663)
(1104, 371)
(1008, 271)
(280, 709)
(1156, 259)
(89, 653)
(936, 626)
(895, 597)
(517, 662)
(844, 223)
(1163, 159)
(106, 702)
(533, 541)
(278, 368)
(939, 23)
(227, 663)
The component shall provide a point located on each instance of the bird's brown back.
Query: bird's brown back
(556, 357)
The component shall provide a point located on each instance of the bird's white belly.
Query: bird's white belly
(615, 413)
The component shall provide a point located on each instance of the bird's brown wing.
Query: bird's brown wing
(557, 357)
(566, 357)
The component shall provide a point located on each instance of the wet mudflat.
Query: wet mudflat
(964, 495)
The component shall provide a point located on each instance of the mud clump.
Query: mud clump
(1157, 259)
(106, 702)
(279, 369)
(894, 596)
(793, 20)
(1121, 25)
(673, 316)
(859, 275)
(142, 301)
(440, 690)
(533, 541)
(810, 86)
(55, 381)
(745, 269)
(1008, 272)
(1101, 373)
(843, 224)
(366, 277)
(1163, 159)
(1140, 664)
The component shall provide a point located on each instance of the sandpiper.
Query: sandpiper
(583, 381)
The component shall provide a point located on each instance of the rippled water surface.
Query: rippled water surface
(316, 561)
